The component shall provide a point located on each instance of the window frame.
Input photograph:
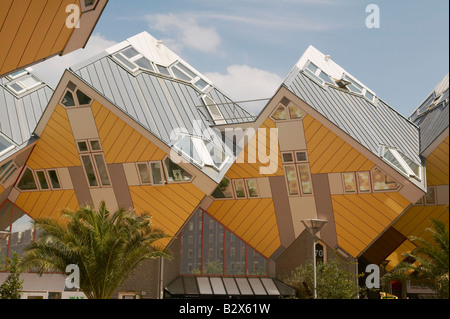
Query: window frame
(92, 154)
(218, 119)
(166, 173)
(18, 80)
(75, 99)
(409, 172)
(246, 180)
(374, 190)
(10, 170)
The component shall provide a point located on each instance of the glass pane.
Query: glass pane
(305, 178)
(280, 113)
(5, 166)
(326, 78)
(16, 88)
(144, 63)
(54, 179)
(430, 197)
(369, 96)
(88, 3)
(191, 246)
(239, 188)
(83, 147)
(176, 173)
(311, 67)
(42, 180)
(234, 255)
(144, 173)
(201, 84)
(102, 170)
(224, 190)
(130, 53)
(186, 70)
(252, 187)
(389, 156)
(95, 145)
(68, 99)
(291, 177)
(256, 263)
(349, 182)
(381, 181)
(156, 173)
(301, 157)
(4, 177)
(83, 99)
(364, 182)
(217, 155)
(288, 158)
(163, 70)
(3, 145)
(213, 248)
(180, 75)
(295, 112)
(413, 166)
(125, 61)
(186, 145)
(92, 179)
(29, 82)
(27, 183)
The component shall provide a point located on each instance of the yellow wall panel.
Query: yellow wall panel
(253, 220)
(329, 153)
(168, 205)
(56, 146)
(437, 164)
(24, 33)
(121, 143)
(46, 204)
(397, 256)
(360, 218)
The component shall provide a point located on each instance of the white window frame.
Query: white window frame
(403, 163)
(133, 60)
(209, 104)
(24, 87)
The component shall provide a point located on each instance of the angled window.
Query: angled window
(213, 110)
(133, 60)
(403, 163)
(175, 173)
(383, 182)
(87, 5)
(202, 151)
(352, 85)
(17, 74)
(75, 98)
(239, 188)
(349, 182)
(292, 112)
(23, 82)
(5, 145)
(252, 188)
(27, 181)
(6, 171)
(224, 190)
(163, 70)
(94, 163)
(317, 74)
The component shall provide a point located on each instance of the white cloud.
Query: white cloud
(185, 32)
(244, 83)
(51, 71)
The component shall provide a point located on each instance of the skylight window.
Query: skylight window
(317, 74)
(351, 85)
(213, 110)
(23, 84)
(183, 73)
(5, 146)
(402, 163)
(133, 60)
(202, 152)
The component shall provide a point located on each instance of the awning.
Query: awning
(34, 283)
(224, 287)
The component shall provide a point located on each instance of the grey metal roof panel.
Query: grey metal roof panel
(159, 104)
(19, 115)
(370, 124)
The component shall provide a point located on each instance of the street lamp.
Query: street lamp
(314, 226)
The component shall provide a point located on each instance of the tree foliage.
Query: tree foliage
(105, 246)
(431, 267)
(332, 281)
(12, 287)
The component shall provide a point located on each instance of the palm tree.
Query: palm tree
(431, 268)
(105, 246)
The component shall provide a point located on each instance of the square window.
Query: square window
(301, 157)
(95, 145)
(288, 157)
(82, 146)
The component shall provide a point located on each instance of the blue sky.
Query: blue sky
(248, 47)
